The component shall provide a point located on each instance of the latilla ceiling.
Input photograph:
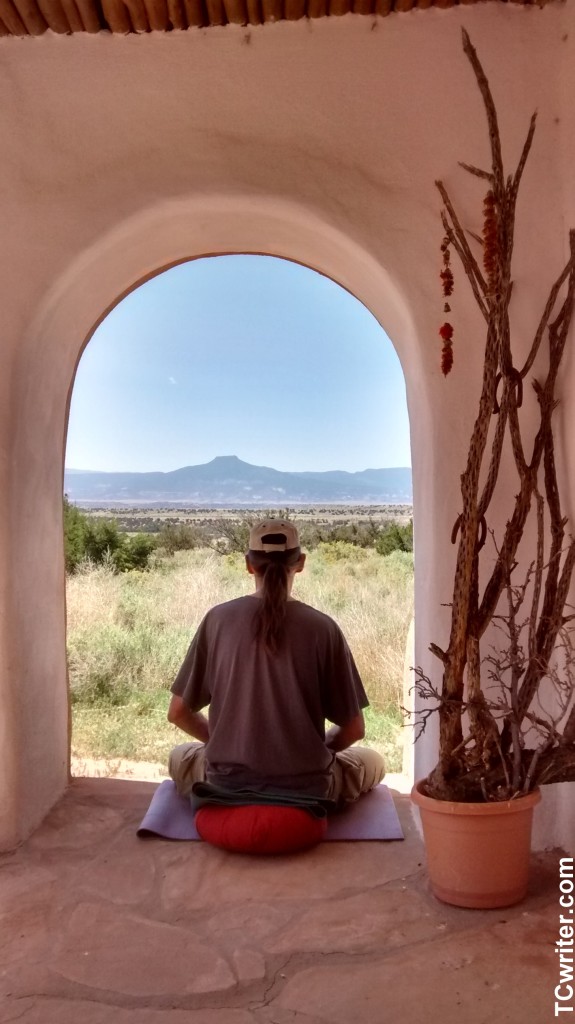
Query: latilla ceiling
(34, 17)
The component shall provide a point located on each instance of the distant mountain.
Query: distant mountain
(227, 480)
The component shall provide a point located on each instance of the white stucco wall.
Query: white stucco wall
(317, 141)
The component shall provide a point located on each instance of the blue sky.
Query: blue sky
(239, 355)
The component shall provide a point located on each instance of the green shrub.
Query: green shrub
(360, 534)
(100, 542)
(137, 551)
(395, 538)
(179, 537)
(340, 551)
(75, 524)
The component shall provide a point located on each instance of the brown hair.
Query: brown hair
(273, 566)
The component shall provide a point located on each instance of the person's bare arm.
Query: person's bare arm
(192, 722)
(338, 737)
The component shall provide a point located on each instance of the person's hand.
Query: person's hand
(192, 722)
(338, 737)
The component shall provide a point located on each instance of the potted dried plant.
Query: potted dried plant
(506, 699)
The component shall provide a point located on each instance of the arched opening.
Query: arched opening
(139, 248)
(252, 357)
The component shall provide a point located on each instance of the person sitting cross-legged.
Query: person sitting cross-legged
(272, 670)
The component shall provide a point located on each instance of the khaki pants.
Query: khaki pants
(355, 771)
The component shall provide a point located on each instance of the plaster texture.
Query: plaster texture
(314, 141)
(192, 935)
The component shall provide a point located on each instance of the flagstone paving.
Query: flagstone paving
(100, 927)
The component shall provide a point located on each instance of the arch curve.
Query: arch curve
(180, 230)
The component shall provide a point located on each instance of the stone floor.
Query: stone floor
(99, 927)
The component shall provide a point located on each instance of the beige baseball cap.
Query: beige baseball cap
(273, 535)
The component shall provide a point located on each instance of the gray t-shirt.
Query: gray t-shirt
(267, 712)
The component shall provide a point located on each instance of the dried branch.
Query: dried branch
(518, 746)
(494, 138)
(477, 171)
(546, 316)
(507, 407)
(538, 578)
(550, 622)
(457, 236)
(515, 429)
(486, 764)
(556, 765)
(437, 651)
(524, 155)
(569, 730)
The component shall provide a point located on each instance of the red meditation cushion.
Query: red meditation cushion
(259, 828)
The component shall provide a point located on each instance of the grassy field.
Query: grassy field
(128, 633)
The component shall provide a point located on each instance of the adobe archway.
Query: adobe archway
(36, 746)
(308, 159)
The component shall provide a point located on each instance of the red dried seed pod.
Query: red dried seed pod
(446, 358)
(446, 278)
(446, 330)
(490, 238)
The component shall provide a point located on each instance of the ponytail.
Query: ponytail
(273, 568)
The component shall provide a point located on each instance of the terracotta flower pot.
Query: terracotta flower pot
(477, 854)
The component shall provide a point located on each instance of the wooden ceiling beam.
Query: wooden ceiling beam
(157, 15)
(32, 17)
(89, 15)
(254, 12)
(317, 8)
(363, 6)
(236, 12)
(195, 13)
(12, 19)
(177, 14)
(138, 15)
(55, 16)
(272, 10)
(294, 9)
(116, 16)
(72, 16)
(216, 12)
(339, 7)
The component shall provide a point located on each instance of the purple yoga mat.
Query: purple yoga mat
(373, 816)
